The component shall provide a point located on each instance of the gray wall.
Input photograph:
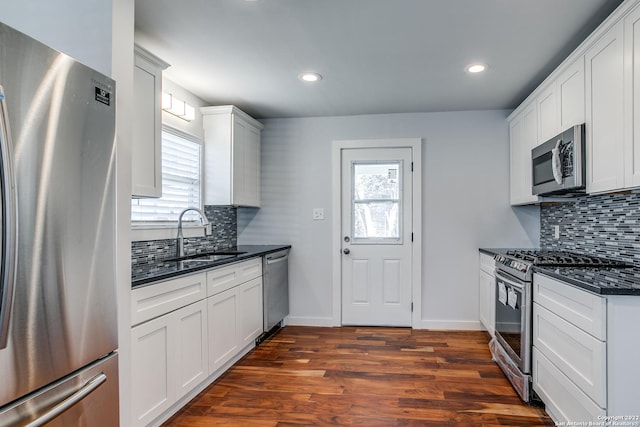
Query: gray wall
(465, 205)
(79, 28)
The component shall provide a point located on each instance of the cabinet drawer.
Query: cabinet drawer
(223, 278)
(161, 298)
(583, 309)
(581, 357)
(564, 401)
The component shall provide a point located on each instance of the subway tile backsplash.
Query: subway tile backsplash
(224, 236)
(605, 225)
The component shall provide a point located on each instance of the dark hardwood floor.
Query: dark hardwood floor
(356, 376)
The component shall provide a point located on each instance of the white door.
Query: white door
(376, 236)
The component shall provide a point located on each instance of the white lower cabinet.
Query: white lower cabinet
(191, 347)
(580, 356)
(168, 359)
(487, 300)
(186, 331)
(223, 328)
(569, 350)
(235, 321)
(250, 318)
(585, 349)
(564, 401)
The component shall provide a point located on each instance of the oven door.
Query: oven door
(513, 319)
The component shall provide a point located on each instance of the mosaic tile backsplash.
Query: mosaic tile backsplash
(605, 225)
(224, 236)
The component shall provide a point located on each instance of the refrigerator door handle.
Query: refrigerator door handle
(70, 401)
(8, 213)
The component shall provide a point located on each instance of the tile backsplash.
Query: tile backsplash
(605, 225)
(224, 236)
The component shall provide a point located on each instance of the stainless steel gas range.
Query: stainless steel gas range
(511, 348)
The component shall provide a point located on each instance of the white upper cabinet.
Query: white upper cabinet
(632, 98)
(604, 71)
(523, 130)
(232, 157)
(548, 113)
(561, 104)
(146, 173)
(570, 88)
(599, 85)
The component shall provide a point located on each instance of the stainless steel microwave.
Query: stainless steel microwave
(558, 165)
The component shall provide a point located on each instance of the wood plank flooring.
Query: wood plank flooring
(355, 376)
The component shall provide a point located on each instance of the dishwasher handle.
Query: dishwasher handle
(277, 259)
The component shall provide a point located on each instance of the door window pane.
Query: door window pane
(376, 202)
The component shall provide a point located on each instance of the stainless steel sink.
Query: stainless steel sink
(207, 257)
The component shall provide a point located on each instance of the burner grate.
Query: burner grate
(563, 259)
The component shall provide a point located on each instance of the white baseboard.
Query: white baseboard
(309, 321)
(450, 325)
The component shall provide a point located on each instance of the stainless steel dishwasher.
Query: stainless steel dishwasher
(276, 288)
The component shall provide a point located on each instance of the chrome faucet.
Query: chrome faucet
(180, 237)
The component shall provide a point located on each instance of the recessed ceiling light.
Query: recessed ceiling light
(476, 68)
(310, 77)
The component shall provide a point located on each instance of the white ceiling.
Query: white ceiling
(375, 56)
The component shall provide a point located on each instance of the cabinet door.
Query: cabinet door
(151, 373)
(246, 163)
(563, 400)
(604, 67)
(223, 328)
(548, 113)
(487, 301)
(570, 93)
(580, 356)
(238, 183)
(252, 167)
(191, 346)
(523, 137)
(250, 312)
(146, 173)
(632, 101)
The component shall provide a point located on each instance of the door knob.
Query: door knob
(346, 251)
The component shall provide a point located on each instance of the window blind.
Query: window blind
(181, 156)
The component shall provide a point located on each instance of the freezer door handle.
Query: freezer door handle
(70, 401)
(8, 218)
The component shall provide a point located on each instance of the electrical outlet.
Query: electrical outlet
(318, 214)
(556, 231)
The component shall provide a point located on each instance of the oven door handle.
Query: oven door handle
(510, 281)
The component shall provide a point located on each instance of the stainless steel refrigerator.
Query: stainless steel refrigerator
(58, 326)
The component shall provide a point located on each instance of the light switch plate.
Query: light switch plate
(318, 214)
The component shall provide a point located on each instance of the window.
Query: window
(376, 202)
(181, 156)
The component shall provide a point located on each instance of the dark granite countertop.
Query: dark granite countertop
(146, 274)
(602, 281)
(495, 251)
